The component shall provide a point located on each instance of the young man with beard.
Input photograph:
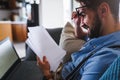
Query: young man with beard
(101, 20)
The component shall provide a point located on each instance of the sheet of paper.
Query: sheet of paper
(43, 45)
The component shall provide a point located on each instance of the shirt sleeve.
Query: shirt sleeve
(97, 65)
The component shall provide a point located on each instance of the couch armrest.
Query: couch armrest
(55, 34)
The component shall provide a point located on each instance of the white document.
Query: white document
(42, 44)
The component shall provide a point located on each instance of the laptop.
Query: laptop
(13, 68)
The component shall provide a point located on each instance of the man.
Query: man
(101, 22)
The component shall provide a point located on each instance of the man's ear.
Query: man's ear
(103, 9)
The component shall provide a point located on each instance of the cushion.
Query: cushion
(113, 72)
(69, 42)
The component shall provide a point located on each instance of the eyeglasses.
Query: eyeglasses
(80, 13)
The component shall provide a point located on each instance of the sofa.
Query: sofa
(54, 33)
(112, 73)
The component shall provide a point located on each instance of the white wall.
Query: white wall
(67, 7)
(119, 12)
(51, 13)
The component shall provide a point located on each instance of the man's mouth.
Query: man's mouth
(85, 26)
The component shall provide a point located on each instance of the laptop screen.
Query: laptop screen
(8, 56)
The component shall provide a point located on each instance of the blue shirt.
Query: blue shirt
(96, 65)
(113, 72)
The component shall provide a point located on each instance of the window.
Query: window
(74, 5)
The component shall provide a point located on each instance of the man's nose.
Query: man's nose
(84, 20)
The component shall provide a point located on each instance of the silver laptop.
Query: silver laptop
(11, 66)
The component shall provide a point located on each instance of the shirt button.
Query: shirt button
(94, 46)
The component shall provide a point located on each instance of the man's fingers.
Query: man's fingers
(38, 61)
(74, 15)
(45, 59)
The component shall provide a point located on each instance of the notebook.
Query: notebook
(11, 66)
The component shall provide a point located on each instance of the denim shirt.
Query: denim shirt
(96, 65)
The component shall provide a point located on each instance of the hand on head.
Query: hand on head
(74, 15)
(80, 28)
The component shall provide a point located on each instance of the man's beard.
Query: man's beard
(96, 28)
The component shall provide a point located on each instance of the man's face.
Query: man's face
(91, 19)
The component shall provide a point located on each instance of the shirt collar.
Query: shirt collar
(104, 40)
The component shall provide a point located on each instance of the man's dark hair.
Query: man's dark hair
(93, 4)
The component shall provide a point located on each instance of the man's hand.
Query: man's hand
(80, 30)
(45, 66)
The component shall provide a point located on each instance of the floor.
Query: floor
(20, 48)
